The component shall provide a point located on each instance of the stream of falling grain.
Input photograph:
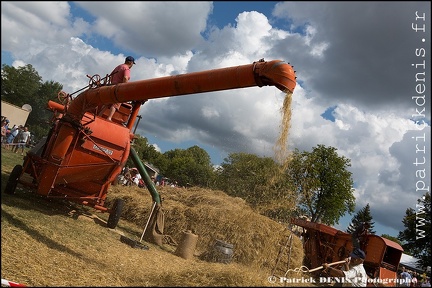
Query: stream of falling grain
(281, 143)
(280, 148)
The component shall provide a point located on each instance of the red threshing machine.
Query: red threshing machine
(84, 152)
(325, 244)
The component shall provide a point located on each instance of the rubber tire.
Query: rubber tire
(13, 180)
(114, 217)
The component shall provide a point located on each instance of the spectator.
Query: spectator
(23, 140)
(4, 129)
(405, 278)
(7, 126)
(120, 74)
(414, 280)
(426, 282)
(136, 178)
(423, 279)
(127, 177)
(13, 133)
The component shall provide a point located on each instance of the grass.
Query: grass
(47, 242)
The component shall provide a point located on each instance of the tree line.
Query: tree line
(316, 184)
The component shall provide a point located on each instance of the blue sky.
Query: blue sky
(353, 61)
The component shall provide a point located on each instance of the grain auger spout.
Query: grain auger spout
(84, 152)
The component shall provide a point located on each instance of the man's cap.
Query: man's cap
(7, 120)
(357, 253)
(130, 58)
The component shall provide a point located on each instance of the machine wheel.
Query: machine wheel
(13, 180)
(95, 81)
(114, 217)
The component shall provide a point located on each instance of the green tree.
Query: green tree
(19, 84)
(187, 167)
(259, 181)
(244, 175)
(362, 216)
(416, 237)
(148, 153)
(23, 85)
(40, 117)
(323, 184)
(190, 167)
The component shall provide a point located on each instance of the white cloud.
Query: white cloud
(157, 148)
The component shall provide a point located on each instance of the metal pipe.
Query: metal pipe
(273, 73)
(149, 183)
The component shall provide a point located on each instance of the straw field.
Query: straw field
(58, 243)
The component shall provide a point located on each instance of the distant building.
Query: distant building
(16, 115)
(151, 170)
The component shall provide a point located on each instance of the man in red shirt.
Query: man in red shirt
(120, 74)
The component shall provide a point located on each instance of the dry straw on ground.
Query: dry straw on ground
(51, 243)
(213, 215)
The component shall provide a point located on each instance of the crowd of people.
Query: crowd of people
(15, 138)
(131, 177)
(410, 278)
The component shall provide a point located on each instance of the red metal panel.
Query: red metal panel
(315, 226)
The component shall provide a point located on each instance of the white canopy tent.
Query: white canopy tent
(410, 263)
